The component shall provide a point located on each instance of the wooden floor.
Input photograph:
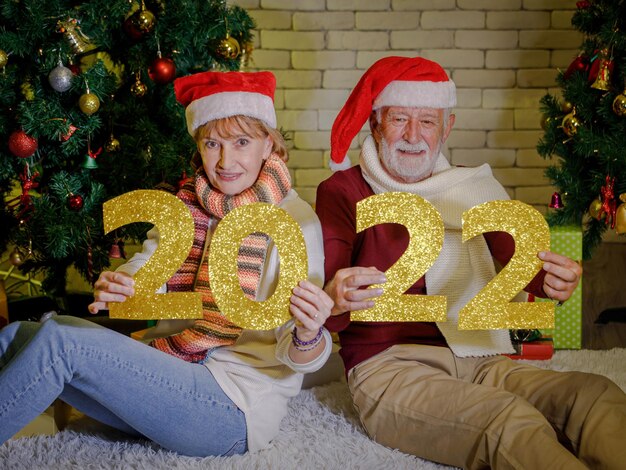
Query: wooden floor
(604, 288)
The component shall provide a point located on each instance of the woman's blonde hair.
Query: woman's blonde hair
(232, 126)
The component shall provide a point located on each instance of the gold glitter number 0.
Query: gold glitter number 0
(491, 307)
(425, 228)
(223, 271)
(176, 231)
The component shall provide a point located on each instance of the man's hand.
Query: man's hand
(346, 289)
(111, 287)
(563, 275)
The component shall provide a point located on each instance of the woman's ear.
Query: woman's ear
(269, 145)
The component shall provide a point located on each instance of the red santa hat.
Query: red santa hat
(207, 96)
(391, 81)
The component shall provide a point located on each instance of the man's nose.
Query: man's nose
(412, 131)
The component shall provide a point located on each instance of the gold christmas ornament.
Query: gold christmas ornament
(228, 47)
(4, 58)
(566, 106)
(138, 89)
(620, 216)
(112, 145)
(77, 40)
(570, 123)
(16, 258)
(602, 81)
(595, 209)
(246, 54)
(545, 121)
(619, 104)
(88, 103)
(147, 154)
(144, 19)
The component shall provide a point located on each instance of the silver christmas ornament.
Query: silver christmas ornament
(60, 78)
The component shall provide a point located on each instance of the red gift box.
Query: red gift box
(540, 349)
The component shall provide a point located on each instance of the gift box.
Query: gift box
(567, 333)
(51, 421)
(540, 349)
(42, 424)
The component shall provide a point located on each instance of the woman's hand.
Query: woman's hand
(111, 287)
(310, 306)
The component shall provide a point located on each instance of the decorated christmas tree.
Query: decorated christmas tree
(585, 128)
(87, 112)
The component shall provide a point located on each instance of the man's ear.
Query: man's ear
(375, 127)
(451, 120)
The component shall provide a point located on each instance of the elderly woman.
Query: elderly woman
(204, 387)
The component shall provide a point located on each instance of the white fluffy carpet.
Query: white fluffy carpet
(321, 431)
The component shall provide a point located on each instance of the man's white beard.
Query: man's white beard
(408, 169)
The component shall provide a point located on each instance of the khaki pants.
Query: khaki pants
(489, 412)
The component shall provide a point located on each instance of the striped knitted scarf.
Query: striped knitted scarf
(207, 207)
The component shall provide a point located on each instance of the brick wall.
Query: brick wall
(502, 55)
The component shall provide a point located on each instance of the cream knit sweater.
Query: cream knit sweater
(256, 372)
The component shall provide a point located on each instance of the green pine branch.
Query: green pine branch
(595, 150)
(154, 147)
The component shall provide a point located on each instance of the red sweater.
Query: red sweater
(379, 246)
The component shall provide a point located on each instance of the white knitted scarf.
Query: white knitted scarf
(462, 269)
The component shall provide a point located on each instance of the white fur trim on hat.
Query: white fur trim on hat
(417, 94)
(227, 104)
(344, 165)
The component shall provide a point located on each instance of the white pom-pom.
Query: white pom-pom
(344, 165)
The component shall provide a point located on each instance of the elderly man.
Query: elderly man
(429, 389)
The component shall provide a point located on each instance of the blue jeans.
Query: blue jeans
(117, 381)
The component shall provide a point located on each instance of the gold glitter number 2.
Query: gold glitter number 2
(425, 228)
(176, 229)
(491, 307)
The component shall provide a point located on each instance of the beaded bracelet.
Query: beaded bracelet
(306, 345)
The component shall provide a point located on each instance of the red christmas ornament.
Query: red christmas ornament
(609, 203)
(70, 131)
(579, 64)
(75, 202)
(583, 4)
(132, 30)
(114, 251)
(162, 70)
(556, 202)
(75, 68)
(22, 145)
(183, 180)
(24, 202)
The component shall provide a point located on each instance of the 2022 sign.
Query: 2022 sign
(491, 308)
